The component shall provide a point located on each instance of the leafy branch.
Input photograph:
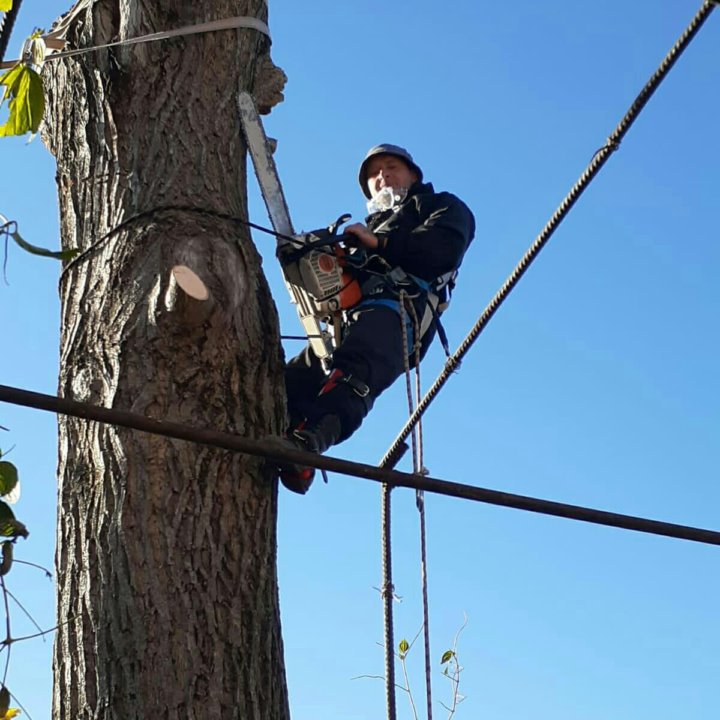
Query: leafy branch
(12, 529)
(451, 670)
(24, 90)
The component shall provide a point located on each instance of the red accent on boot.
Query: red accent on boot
(299, 481)
(296, 477)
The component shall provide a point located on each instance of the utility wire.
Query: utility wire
(599, 159)
(278, 452)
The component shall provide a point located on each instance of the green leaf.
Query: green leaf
(9, 526)
(8, 477)
(6, 5)
(34, 250)
(13, 529)
(24, 87)
(448, 655)
(6, 513)
(404, 646)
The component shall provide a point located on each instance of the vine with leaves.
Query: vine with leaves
(22, 88)
(11, 529)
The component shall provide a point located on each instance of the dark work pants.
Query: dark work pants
(372, 352)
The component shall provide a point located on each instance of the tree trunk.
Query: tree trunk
(166, 559)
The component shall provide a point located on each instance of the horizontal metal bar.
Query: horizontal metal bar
(276, 451)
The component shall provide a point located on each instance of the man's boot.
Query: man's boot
(314, 437)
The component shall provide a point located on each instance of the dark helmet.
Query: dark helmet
(386, 149)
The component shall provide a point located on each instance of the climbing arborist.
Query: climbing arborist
(415, 239)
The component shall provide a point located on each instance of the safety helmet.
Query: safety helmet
(386, 149)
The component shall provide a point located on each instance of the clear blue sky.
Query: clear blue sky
(595, 384)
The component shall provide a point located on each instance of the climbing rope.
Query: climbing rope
(405, 304)
(232, 23)
(599, 159)
(420, 469)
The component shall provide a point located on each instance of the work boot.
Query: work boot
(317, 438)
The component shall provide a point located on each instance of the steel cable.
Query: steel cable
(388, 593)
(599, 159)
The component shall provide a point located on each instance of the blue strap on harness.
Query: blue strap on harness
(394, 305)
(396, 277)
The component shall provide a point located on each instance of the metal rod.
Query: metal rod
(275, 451)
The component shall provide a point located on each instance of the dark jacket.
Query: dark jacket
(427, 235)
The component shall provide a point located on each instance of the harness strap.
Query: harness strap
(430, 316)
(397, 280)
(359, 387)
(394, 305)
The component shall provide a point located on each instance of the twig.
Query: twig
(22, 607)
(378, 677)
(37, 634)
(407, 683)
(8, 638)
(20, 705)
(48, 574)
(455, 676)
(42, 632)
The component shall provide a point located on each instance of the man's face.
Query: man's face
(388, 171)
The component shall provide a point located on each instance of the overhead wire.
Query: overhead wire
(597, 162)
(278, 451)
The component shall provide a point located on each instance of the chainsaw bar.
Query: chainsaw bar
(266, 172)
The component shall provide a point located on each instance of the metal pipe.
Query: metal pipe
(278, 452)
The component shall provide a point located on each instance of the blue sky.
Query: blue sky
(595, 384)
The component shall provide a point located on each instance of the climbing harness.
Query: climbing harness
(325, 274)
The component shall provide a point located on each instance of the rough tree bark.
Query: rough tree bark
(167, 588)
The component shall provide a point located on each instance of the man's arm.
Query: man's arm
(438, 244)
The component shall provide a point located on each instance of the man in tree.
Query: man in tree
(415, 239)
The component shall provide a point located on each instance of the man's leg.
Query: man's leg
(368, 361)
(304, 376)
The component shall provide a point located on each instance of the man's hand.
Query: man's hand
(364, 236)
